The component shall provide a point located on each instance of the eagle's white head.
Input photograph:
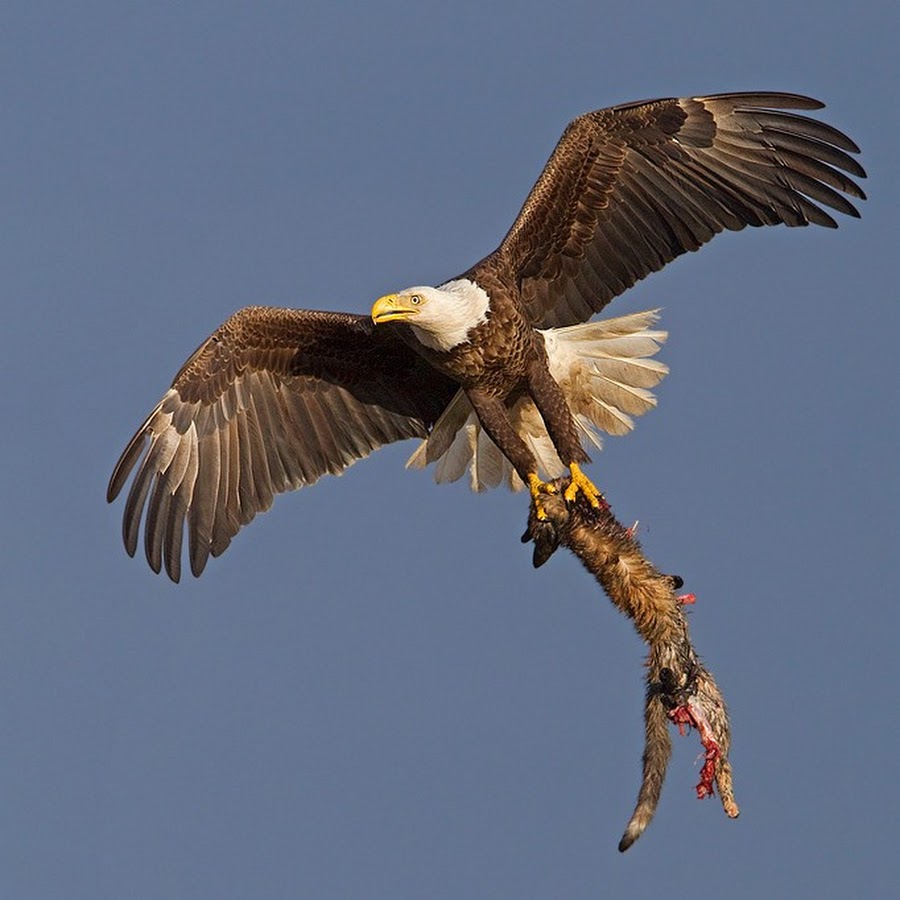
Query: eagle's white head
(440, 317)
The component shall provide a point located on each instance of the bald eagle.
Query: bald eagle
(497, 370)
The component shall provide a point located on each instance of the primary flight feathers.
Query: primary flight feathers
(276, 398)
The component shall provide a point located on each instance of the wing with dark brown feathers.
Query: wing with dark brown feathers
(628, 189)
(272, 401)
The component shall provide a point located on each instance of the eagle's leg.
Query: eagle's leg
(580, 482)
(494, 417)
(553, 406)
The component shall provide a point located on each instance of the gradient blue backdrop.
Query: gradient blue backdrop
(372, 694)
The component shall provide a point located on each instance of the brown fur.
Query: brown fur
(675, 676)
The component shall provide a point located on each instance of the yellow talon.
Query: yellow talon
(536, 488)
(580, 482)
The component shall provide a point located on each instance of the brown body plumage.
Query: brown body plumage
(503, 359)
(277, 398)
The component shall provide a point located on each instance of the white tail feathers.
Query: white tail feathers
(605, 371)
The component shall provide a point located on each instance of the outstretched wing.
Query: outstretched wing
(628, 189)
(273, 400)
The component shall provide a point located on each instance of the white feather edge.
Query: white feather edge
(605, 370)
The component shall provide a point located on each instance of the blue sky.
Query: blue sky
(372, 694)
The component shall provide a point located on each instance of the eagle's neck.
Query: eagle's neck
(459, 306)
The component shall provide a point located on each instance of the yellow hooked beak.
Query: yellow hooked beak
(393, 308)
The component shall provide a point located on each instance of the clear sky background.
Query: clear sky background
(372, 694)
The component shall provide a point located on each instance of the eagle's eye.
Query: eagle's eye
(415, 299)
